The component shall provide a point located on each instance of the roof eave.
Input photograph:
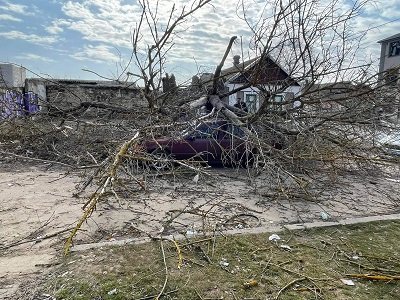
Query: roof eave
(390, 38)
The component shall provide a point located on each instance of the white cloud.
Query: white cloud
(56, 26)
(204, 35)
(15, 8)
(9, 18)
(383, 9)
(101, 21)
(31, 38)
(202, 38)
(31, 56)
(99, 53)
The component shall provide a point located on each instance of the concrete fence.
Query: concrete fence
(15, 104)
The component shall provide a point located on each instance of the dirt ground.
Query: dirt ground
(38, 208)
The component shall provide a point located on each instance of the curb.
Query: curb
(255, 230)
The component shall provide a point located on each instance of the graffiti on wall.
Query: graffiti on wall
(14, 104)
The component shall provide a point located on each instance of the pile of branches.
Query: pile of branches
(323, 128)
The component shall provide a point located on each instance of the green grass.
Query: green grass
(311, 270)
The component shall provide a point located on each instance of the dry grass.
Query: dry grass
(241, 267)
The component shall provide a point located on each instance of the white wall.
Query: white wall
(391, 62)
(293, 89)
(252, 90)
(38, 87)
(232, 98)
(12, 76)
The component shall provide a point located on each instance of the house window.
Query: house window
(276, 105)
(394, 48)
(251, 102)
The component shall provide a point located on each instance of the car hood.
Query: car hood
(156, 143)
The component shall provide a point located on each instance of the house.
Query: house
(261, 73)
(390, 58)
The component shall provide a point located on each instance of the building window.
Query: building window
(278, 99)
(394, 48)
(251, 102)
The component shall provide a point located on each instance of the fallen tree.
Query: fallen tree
(302, 143)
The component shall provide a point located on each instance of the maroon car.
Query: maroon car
(214, 142)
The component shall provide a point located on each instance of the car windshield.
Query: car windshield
(211, 129)
(201, 129)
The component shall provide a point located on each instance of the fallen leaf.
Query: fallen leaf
(250, 283)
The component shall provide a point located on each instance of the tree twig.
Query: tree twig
(166, 272)
(288, 285)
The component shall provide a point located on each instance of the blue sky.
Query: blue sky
(60, 38)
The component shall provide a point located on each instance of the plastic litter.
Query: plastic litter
(223, 262)
(324, 216)
(112, 292)
(348, 282)
(274, 237)
(191, 232)
(286, 247)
